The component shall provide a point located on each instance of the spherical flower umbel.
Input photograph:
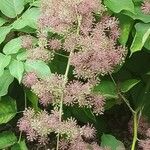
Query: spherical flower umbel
(27, 41)
(144, 144)
(76, 92)
(62, 15)
(88, 131)
(29, 79)
(99, 55)
(54, 44)
(49, 90)
(39, 54)
(38, 125)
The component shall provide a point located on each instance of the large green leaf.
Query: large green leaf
(5, 80)
(39, 67)
(126, 24)
(142, 34)
(17, 69)
(13, 46)
(11, 8)
(138, 15)
(3, 32)
(107, 89)
(29, 18)
(128, 84)
(111, 142)
(20, 146)
(4, 61)
(117, 6)
(8, 109)
(7, 139)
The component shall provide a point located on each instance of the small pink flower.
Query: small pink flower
(54, 44)
(30, 79)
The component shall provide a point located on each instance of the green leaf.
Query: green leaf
(126, 24)
(8, 109)
(117, 6)
(17, 69)
(11, 8)
(111, 142)
(4, 61)
(147, 43)
(20, 146)
(5, 80)
(33, 99)
(13, 46)
(107, 89)
(142, 34)
(22, 56)
(3, 32)
(7, 139)
(29, 18)
(83, 114)
(2, 21)
(128, 84)
(138, 15)
(39, 67)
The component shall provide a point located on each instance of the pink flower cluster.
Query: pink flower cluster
(78, 93)
(38, 125)
(94, 51)
(146, 7)
(62, 15)
(50, 91)
(143, 131)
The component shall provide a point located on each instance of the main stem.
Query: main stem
(79, 18)
(135, 116)
(135, 129)
(61, 102)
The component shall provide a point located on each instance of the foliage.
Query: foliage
(125, 87)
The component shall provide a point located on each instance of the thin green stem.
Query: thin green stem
(127, 102)
(79, 18)
(25, 104)
(135, 129)
(122, 96)
(61, 55)
(20, 136)
(61, 102)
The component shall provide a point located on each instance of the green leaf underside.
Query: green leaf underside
(141, 36)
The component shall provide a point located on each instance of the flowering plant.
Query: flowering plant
(74, 74)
